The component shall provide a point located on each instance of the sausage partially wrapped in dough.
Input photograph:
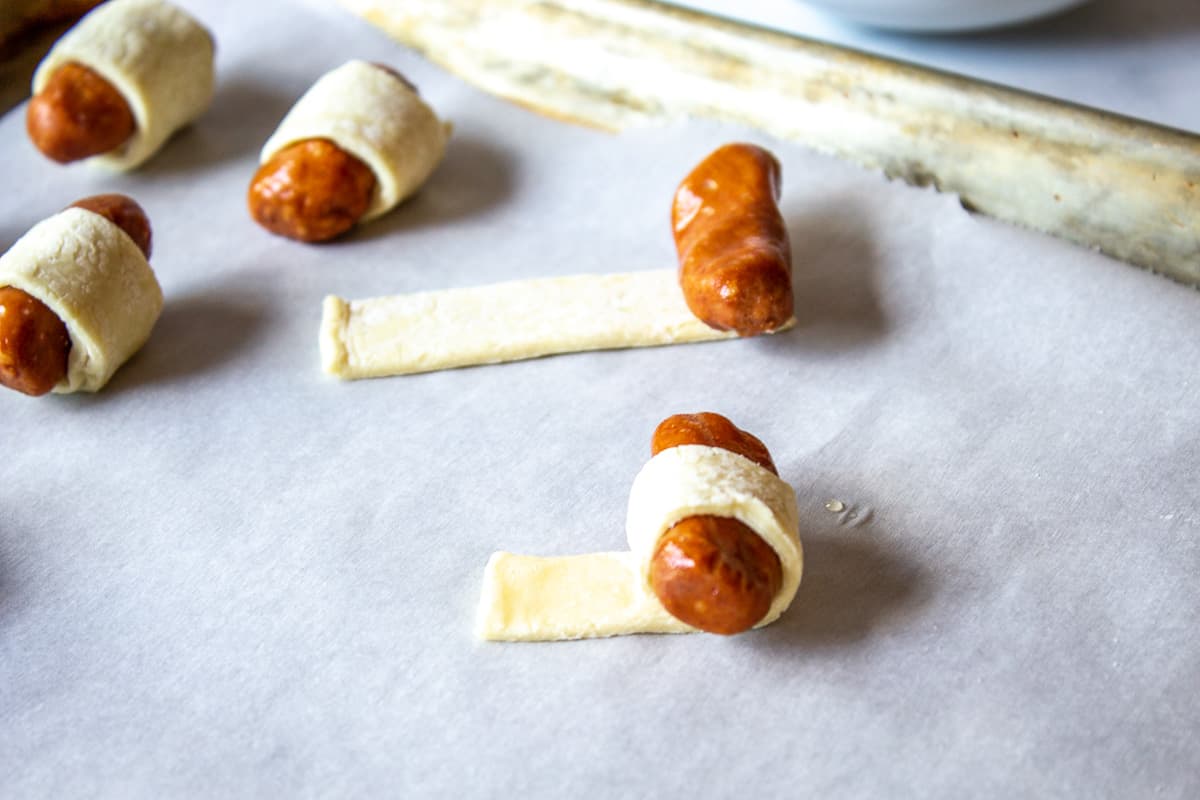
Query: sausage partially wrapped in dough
(120, 83)
(355, 145)
(94, 277)
(527, 598)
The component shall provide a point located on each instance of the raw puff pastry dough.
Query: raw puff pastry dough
(156, 55)
(96, 280)
(376, 118)
(428, 331)
(527, 598)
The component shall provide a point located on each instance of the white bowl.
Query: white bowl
(941, 15)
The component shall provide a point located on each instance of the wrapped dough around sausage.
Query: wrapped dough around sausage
(156, 55)
(97, 281)
(375, 117)
(527, 598)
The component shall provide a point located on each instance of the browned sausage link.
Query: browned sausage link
(311, 191)
(123, 212)
(34, 343)
(78, 114)
(713, 430)
(714, 573)
(734, 256)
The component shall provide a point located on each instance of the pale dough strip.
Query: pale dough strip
(529, 598)
(535, 599)
(428, 331)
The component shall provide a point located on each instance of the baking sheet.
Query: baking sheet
(227, 575)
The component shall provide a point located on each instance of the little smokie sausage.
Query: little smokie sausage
(34, 343)
(116, 86)
(356, 144)
(78, 114)
(311, 191)
(714, 573)
(734, 255)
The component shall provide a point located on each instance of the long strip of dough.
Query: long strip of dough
(527, 598)
(428, 331)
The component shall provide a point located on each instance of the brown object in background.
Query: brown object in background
(20, 19)
(735, 262)
(714, 573)
(28, 28)
(311, 191)
(78, 114)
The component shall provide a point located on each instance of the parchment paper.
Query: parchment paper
(227, 575)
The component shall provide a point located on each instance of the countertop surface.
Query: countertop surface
(230, 575)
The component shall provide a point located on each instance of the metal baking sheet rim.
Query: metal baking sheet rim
(1125, 187)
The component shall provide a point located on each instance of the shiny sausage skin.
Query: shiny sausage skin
(34, 343)
(734, 255)
(78, 114)
(123, 212)
(311, 191)
(712, 430)
(714, 573)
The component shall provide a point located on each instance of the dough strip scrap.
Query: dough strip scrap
(1126, 187)
(444, 329)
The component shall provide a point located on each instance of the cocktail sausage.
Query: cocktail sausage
(714, 573)
(734, 254)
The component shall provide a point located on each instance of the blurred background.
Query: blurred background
(1136, 58)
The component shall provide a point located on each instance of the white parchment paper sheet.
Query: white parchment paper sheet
(229, 576)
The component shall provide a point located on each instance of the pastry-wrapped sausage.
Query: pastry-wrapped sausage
(77, 297)
(714, 572)
(356, 144)
(120, 83)
(737, 513)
